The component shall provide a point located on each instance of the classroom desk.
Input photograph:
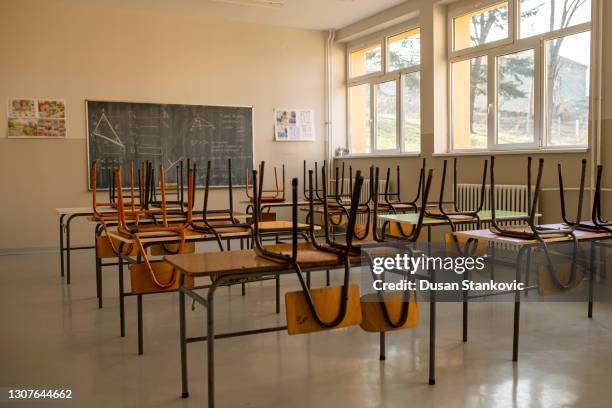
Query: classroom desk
(268, 227)
(524, 247)
(236, 265)
(66, 215)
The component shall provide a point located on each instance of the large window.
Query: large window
(523, 85)
(384, 94)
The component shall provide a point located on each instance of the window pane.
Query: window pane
(404, 50)
(515, 98)
(469, 101)
(366, 61)
(567, 89)
(359, 97)
(386, 116)
(542, 16)
(481, 27)
(411, 101)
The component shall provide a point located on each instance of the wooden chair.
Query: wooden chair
(277, 194)
(382, 312)
(312, 310)
(550, 276)
(392, 201)
(153, 274)
(225, 220)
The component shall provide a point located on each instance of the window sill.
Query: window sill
(376, 155)
(512, 152)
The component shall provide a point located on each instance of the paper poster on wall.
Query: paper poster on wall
(36, 118)
(294, 125)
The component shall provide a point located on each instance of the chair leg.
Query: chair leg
(382, 356)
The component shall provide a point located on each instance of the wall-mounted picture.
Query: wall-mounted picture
(36, 118)
(294, 125)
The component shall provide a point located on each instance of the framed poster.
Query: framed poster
(294, 125)
(36, 118)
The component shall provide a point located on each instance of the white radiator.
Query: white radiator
(507, 198)
(345, 188)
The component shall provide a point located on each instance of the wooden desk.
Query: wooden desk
(66, 215)
(490, 236)
(525, 246)
(485, 216)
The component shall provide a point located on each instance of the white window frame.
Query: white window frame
(375, 78)
(504, 47)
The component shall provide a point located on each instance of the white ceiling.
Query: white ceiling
(311, 14)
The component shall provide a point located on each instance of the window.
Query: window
(529, 90)
(384, 95)
(542, 16)
(386, 116)
(404, 50)
(515, 95)
(470, 120)
(411, 111)
(366, 61)
(481, 27)
(567, 89)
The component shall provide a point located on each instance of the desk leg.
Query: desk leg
(277, 290)
(61, 237)
(432, 337)
(528, 272)
(68, 249)
(183, 330)
(465, 311)
(98, 267)
(210, 343)
(432, 320)
(517, 302)
(140, 333)
(592, 275)
(121, 299)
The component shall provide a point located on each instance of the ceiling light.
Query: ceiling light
(255, 3)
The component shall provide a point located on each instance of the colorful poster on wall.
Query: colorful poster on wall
(36, 118)
(294, 125)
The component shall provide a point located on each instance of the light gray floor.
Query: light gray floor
(55, 336)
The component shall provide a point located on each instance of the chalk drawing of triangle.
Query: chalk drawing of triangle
(105, 130)
(200, 123)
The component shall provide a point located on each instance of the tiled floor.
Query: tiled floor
(55, 336)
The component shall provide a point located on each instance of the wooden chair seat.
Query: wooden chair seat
(527, 229)
(327, 301)
(397, 206)
(452, 241)
(171, 248)
(271, 226)
(104, 249)
(546, 285)
(221, 231)
(143, 283)
(373, 318)
(308, 255)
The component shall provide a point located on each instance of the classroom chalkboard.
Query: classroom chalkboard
(124, 132)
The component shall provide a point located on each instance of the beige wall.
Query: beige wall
(76, 52)
(510, 169)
